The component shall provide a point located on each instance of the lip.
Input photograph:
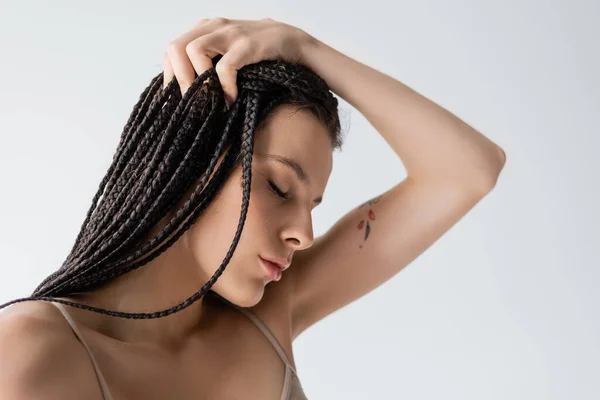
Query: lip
(282, 263)
(274, 270)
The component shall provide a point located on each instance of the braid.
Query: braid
(168, 142)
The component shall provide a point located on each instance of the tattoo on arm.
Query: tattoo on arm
(370, 217)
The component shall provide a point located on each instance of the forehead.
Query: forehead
(299, 135)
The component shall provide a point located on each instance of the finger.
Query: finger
(227, 67)
(201, 22)
(200, 29)
(168, 73)
(200, 51)
(182, 67)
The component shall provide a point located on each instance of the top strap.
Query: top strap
(263, 328)
(103, 385)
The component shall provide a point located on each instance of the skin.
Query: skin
(190, 351)
(193, 349)
(273, 227)
(207, 348)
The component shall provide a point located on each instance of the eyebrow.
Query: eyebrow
(295, 166)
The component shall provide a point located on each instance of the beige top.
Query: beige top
(292, 389)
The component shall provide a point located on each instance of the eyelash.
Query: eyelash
(277, 191)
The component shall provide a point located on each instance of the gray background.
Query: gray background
(503, 306)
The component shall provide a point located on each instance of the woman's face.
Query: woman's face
(274, 226)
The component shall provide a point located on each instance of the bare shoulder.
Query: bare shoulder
(41, 357)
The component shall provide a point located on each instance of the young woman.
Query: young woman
(199, 264)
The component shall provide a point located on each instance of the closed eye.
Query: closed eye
(277, 191)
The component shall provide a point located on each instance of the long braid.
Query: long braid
(118, 236)
(169, 141)
(108, 204)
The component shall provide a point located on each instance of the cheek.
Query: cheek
(222, 217)
(263, 207)
(214, 231)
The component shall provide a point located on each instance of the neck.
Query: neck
(162, 283)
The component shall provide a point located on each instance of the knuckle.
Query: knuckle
(247, 43)
(242, 38)
(224, 68)
(197, 46)
(220, 20)
(175, 46)
(193, 47)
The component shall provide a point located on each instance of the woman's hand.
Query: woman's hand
(241, 42)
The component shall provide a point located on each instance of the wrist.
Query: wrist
(307, 44)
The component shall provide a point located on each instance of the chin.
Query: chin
(246, 297)
(252, 298)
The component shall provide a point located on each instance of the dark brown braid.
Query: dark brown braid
(167, 143)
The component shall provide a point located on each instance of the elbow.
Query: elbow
(497, 164)
(502, 157)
